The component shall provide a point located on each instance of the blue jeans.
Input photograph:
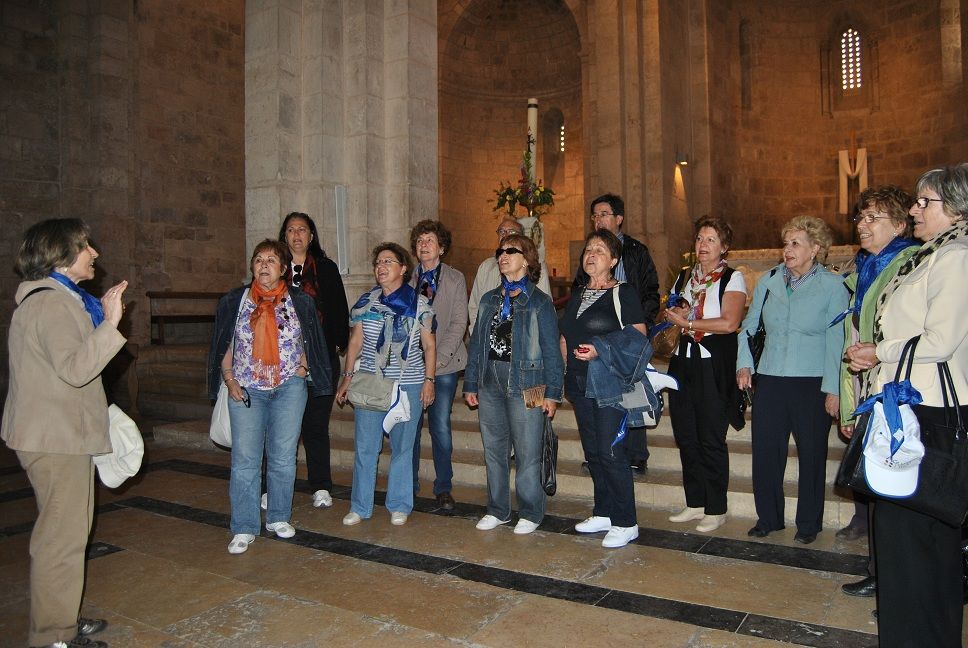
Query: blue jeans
(272, 424)
(506, 423)
(441, 439)
(369, 442)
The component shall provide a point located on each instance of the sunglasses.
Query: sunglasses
(509, 250)
(297, 274)
(246, 400)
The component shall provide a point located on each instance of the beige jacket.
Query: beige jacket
(931, 302)
(55, 402)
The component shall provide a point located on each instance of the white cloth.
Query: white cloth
(488, 278)
(848, 173)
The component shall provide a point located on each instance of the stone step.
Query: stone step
(156, 353)
(173, 407)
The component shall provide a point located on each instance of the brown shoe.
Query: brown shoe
(445, 502)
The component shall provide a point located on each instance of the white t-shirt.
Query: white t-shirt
(711, 307)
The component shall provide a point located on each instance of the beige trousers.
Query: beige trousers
(64, 487)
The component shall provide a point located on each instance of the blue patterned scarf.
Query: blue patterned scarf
(869, 267)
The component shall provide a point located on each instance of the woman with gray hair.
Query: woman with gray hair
(919, 570)
(798, 375)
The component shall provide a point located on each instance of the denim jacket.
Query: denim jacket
(623, 359)
(535, 353)
(320, 369)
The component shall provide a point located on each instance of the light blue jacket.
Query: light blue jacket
(799, 339)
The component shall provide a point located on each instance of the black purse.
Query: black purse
(942, 490)
(549, 458)
(757, 340)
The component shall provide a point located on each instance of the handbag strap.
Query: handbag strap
(618, 304)
(766, 295)
(948, 392)
(907, 359)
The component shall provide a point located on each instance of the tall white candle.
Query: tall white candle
(533, 135)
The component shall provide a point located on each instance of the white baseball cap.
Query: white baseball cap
(893, 475)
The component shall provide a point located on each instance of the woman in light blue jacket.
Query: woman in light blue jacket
(797, 387)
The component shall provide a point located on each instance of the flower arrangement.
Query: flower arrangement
(531, 195)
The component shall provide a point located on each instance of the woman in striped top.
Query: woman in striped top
(391, 324)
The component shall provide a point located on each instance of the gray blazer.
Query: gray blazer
(450, 308)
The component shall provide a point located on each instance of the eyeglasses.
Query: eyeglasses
(246, 400)
(922, 202)
(385, 262)
(598, 215)
(297, 274)
(506, 231)
(511, 250)
(868, 218)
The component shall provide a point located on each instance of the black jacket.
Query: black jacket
(317, 354)
(640, 272)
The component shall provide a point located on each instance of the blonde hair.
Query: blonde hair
(817, 231)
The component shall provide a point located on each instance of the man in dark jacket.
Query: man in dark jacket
(637, 268)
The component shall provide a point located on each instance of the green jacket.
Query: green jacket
(850, 383)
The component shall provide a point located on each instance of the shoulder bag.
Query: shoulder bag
(220, 429)
(757, 340)
(374, 391)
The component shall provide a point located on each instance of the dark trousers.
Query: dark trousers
(636, 445)
(782, 405)
(699, 425)
(315, 436)
(608, 465)
(919, 571)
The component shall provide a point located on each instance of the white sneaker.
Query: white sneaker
(524, 527)
(711, 523)
(352, 518)
(281, 529)
(398, 518)
(620, 536)
(489, 522)
(322, 498)
(265, 502)
(688, 514)
(594, 524)
(240, 543)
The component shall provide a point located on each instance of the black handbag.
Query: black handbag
(942, 490)
(549, 458)
(757, 340)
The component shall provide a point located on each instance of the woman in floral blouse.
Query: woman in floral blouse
(267, 340)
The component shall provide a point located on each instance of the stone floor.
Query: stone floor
(159, 572)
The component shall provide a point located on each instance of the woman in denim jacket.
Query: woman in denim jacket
(514, 373)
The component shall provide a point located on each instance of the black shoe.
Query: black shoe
(757, 532)
(445, 502)
(86, 627)
(805, 538)
(584, 467)
(852, 532)
(640, 467)
(866, 588)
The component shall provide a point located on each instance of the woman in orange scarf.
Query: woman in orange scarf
(267, 341)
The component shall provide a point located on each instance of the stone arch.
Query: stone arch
(516, 50)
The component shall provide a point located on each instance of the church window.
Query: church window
(850, 60)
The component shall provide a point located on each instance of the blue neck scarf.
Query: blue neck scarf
(509, 286)
(892, 397)
(403, 303)
(91, 303)
(429, 278)
(869, 267)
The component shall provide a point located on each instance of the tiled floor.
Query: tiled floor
(159, 572)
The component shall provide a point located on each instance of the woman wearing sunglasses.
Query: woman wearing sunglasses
(592, 312)
(315, 274)
(266, 340)
(514, 374)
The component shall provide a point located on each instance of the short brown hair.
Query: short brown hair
(816, 230)
(430, 227)
(530, 252)
(278, 248)
(49, 244)
(718, 223)
(893, 201)
(402, 256)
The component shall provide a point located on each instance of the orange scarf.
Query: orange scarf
(265, 331)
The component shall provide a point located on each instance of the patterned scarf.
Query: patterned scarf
(91, 303)
(398, 310)
(701, 283)
(427, 282)
(310, 284)
(792, 282)
(869, 267)
(510, 286)
(265, 330)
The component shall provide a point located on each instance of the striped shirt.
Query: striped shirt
(372, 328)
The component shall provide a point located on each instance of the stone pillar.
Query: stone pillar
(341, 94)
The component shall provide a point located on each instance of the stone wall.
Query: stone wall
(777, 157)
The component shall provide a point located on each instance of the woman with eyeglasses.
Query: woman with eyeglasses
(446, 291)
(919, 564)
(391, 330)
(316, 274)
(798, 375)
(884, 230)
(594, 311)
(266, 340)
(710, 308)
(513, 375)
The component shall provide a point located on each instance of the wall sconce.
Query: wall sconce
(682, 159)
